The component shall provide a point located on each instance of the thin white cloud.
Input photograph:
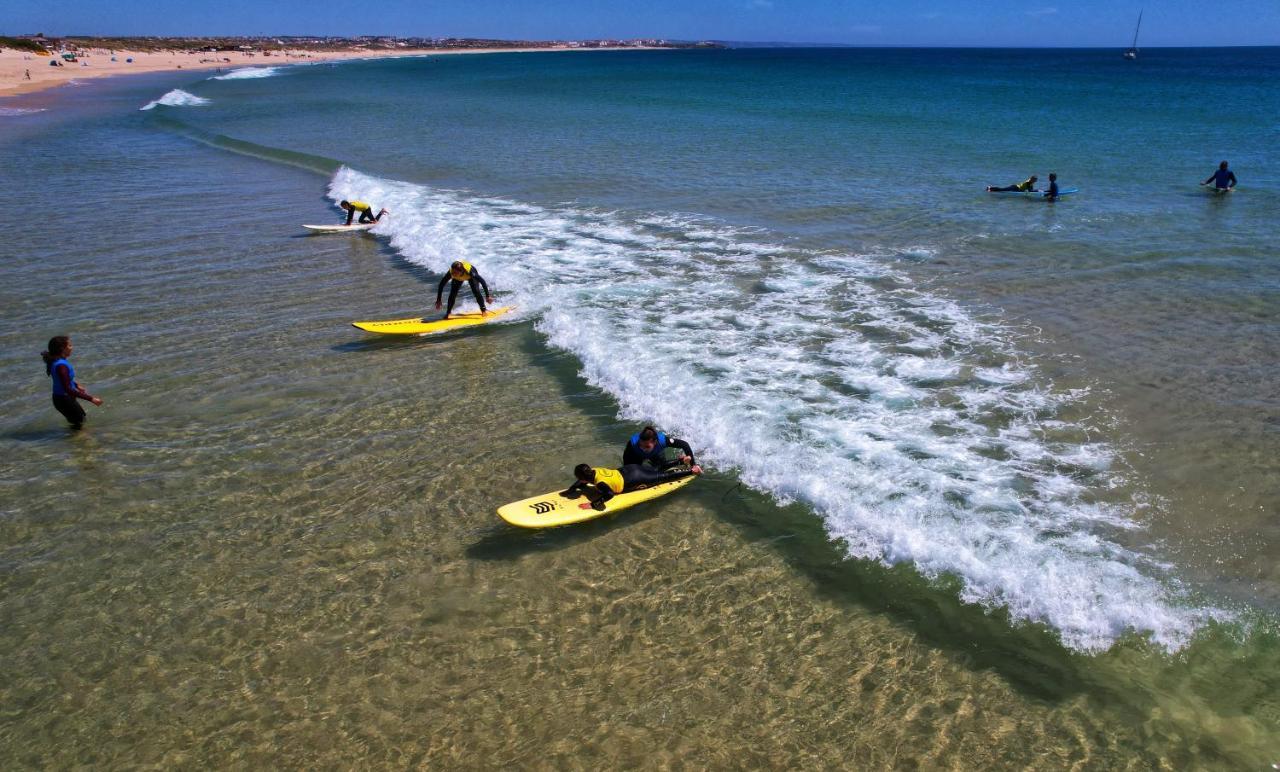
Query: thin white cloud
(758, 4)
(1043, 12)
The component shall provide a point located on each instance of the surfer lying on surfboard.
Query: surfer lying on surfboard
(458, 273)
(1026, 186)
(366, 211)
(599, 484)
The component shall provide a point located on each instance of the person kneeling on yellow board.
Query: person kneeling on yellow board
(599, 484)
(365, 210)
(458, 273)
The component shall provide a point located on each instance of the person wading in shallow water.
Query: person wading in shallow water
(66, 391)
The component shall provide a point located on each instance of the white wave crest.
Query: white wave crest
(248, 73)
(7, 111)
(176, 98)
(913, 429)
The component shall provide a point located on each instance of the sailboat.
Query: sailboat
(1132, 53)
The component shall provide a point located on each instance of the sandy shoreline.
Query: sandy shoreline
(23, 72)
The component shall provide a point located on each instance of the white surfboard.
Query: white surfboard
(340, 228)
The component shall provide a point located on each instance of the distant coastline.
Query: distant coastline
(35, 62)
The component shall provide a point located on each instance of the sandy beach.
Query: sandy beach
(23, 72)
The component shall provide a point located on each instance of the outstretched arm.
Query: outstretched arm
(440, 289)
(476, 274)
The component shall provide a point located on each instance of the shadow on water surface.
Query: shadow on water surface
(507, 542)
(1028, 657)
(42, 435)
(376, 342)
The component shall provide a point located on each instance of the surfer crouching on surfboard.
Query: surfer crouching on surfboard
(366, 211)
(599, 484)
(458, 273)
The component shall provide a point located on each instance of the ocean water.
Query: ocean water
(993, 480)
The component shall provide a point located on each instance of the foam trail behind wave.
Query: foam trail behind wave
(248, 72)
(176, 98)
(913, 429)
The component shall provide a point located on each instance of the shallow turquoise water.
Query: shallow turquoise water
(1062, 413)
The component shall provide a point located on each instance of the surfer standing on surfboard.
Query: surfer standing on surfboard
(458, 273)
(366, 211)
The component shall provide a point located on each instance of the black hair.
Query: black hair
(344, 202)
(57, 344)
(584, 472)
(648, 433)
(1222, 165)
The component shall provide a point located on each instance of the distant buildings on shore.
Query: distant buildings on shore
(320, 43)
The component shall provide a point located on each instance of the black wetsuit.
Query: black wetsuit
(366, 215)
(634, 477)
(453, 289)
(632, 454)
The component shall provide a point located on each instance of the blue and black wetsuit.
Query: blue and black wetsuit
(632, 454)
(66, 392)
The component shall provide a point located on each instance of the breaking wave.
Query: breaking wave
(176, 98)
(915, 430)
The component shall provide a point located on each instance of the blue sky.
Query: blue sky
(1031, 23)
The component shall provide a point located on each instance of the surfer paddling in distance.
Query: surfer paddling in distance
(66, 391)
(1026, 186)
(1223, 179)
(458, 273)
(648, 445)
(599, 484)
(365, 210)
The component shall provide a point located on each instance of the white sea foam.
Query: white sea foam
(176, 98)
(6, 111)
(911, 427)
(248, 72)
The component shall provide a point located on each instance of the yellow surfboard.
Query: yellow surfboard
(419, 326)
(551, 509)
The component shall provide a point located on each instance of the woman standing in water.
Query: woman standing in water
(65, 389)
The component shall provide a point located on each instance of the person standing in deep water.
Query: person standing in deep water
(1223, 179)
(66, 391)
